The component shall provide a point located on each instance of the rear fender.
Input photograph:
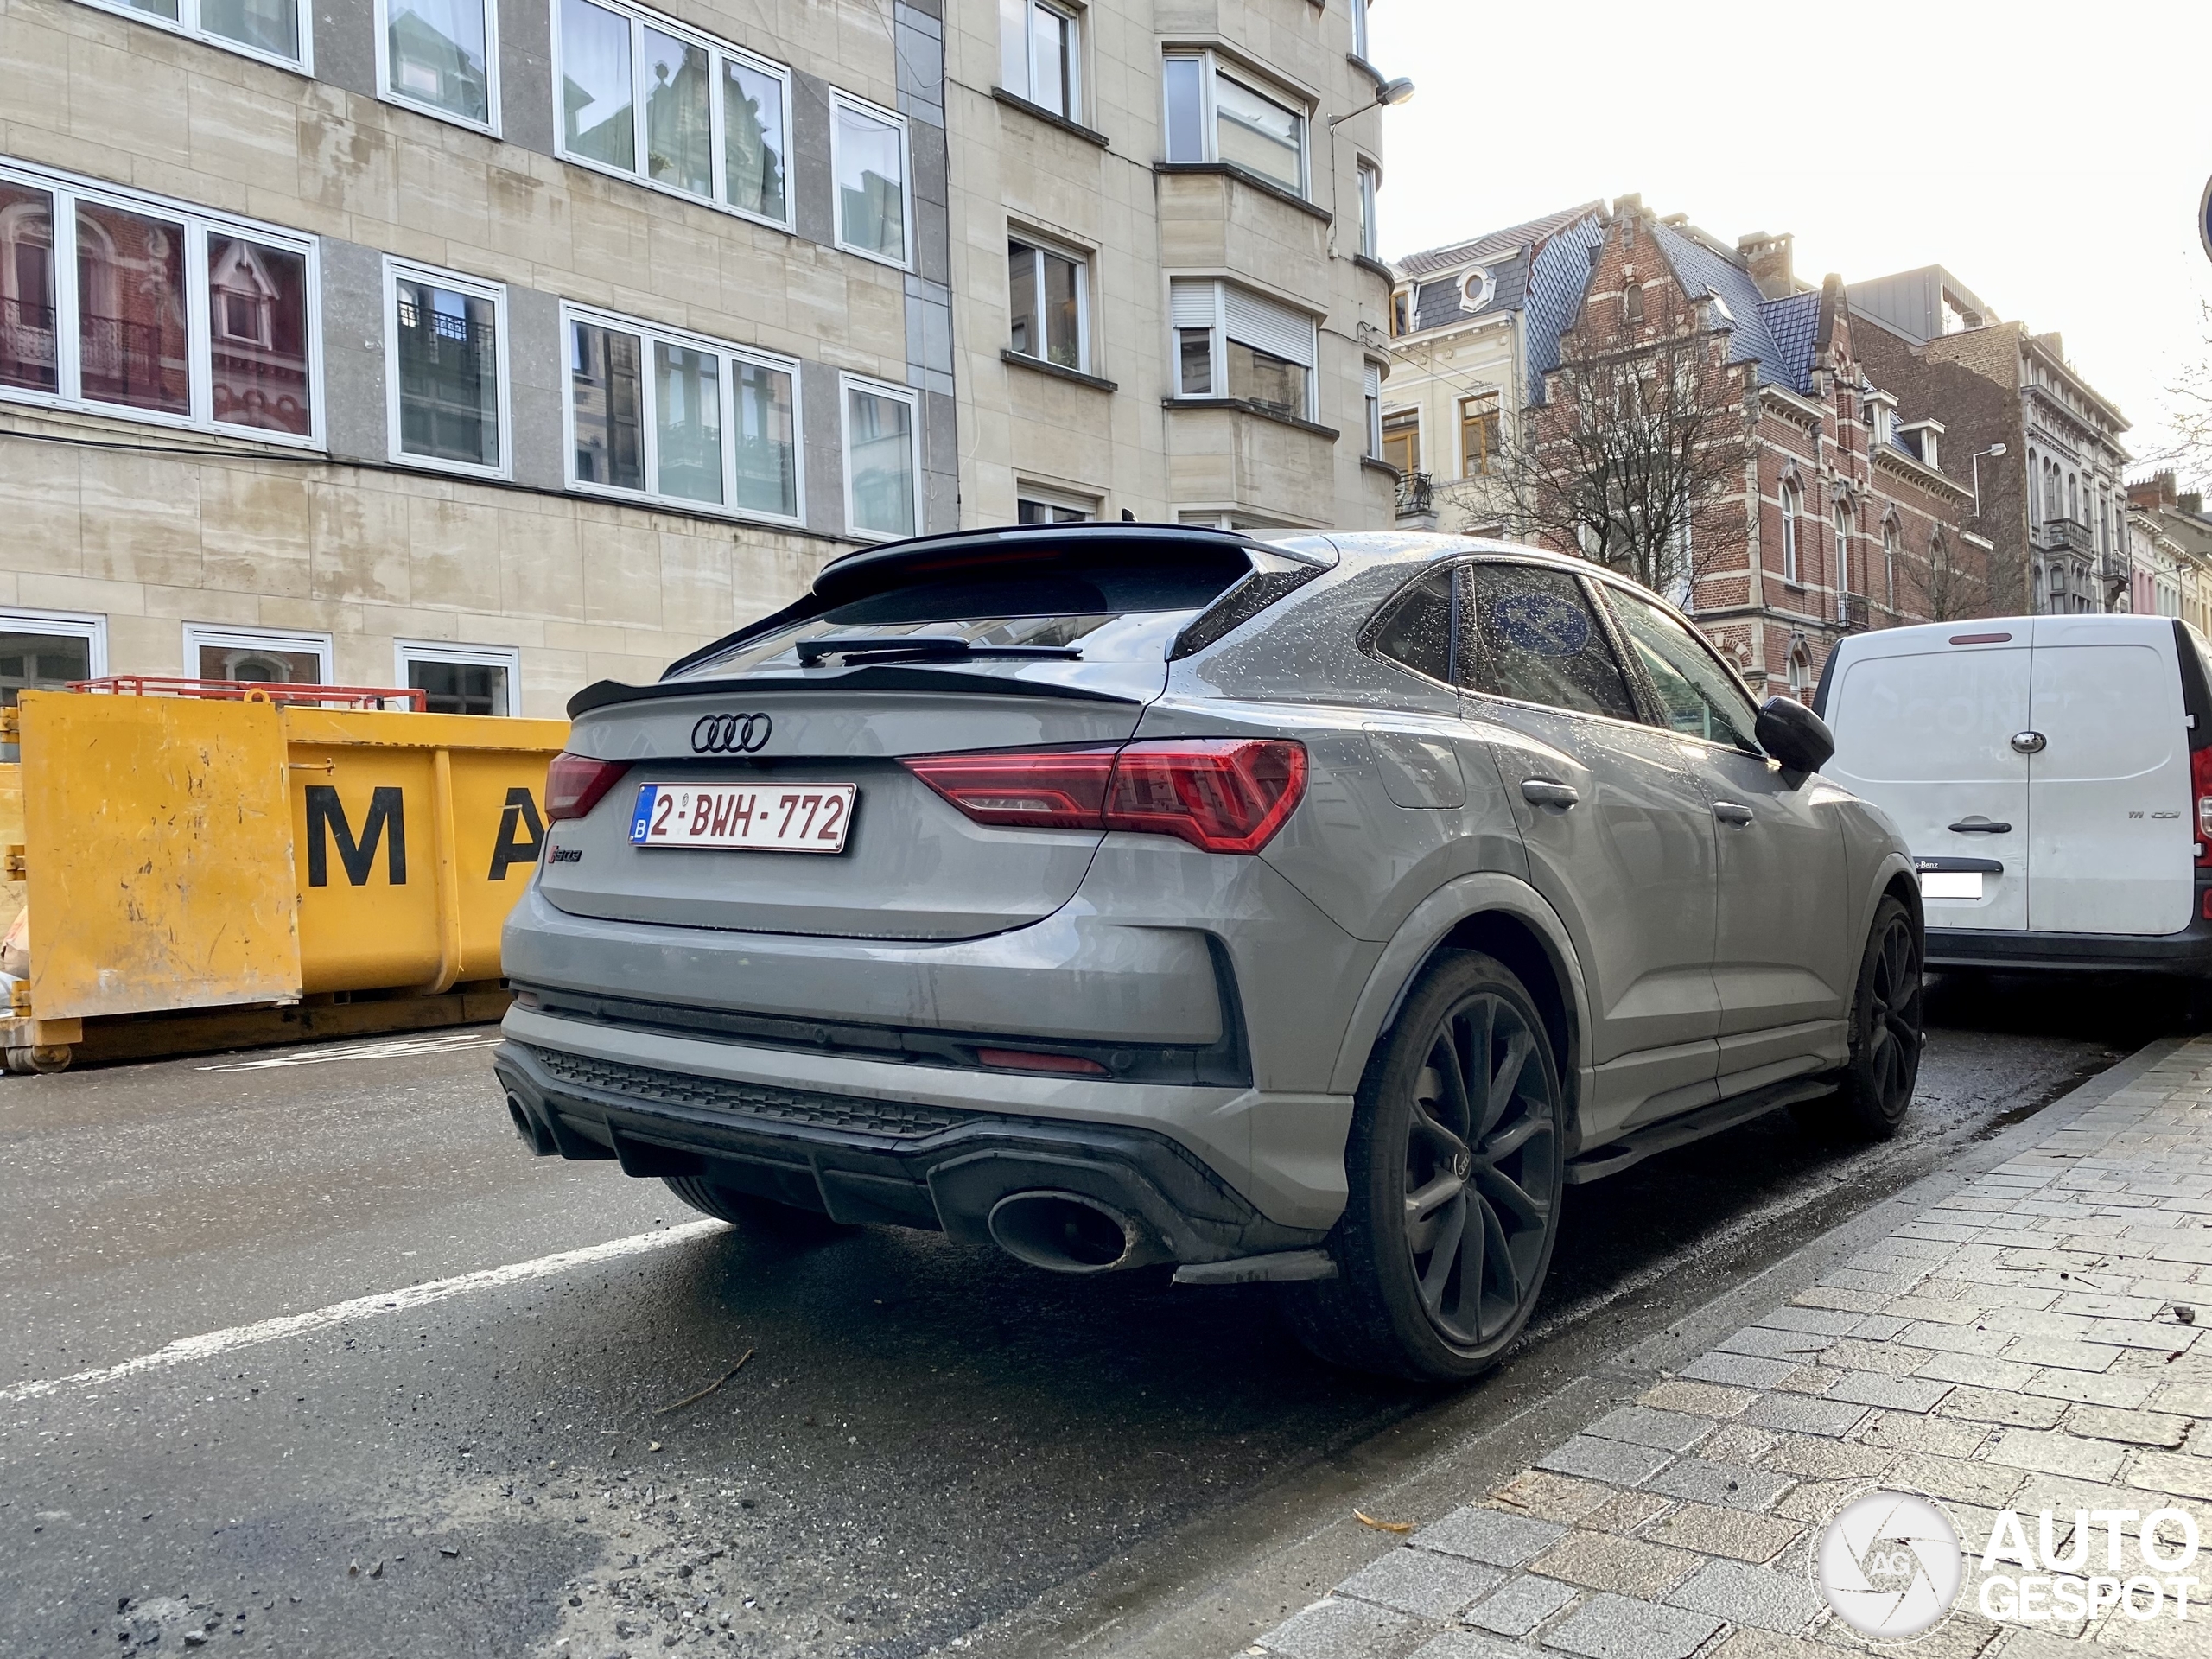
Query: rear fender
(1466, 899)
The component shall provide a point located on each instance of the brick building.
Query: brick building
(2053, 504)
(1843, 517)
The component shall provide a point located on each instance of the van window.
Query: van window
(1698, 696)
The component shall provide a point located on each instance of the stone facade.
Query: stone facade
(2053, 506)
(130, 525)
(1091, 403)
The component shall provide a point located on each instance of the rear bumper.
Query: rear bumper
(2188, 951)
(872, 1141)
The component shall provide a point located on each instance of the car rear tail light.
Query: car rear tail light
(2200, 785)
(1022, 1059)
(573, 784)
(1223, 794)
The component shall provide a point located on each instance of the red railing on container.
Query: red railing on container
(347, 697)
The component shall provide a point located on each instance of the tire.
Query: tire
(763, 1218)
(1888, 1023)
(1454, 1200)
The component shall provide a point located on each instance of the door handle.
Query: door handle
(1545, 791)
(1733, 812)
(2029, 742)
(1980, 827)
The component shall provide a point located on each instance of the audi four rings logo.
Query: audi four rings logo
(731, 733)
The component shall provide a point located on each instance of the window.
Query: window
(461, 679)
(1697, 696)
(1416, 628)
(868, 151)
(1370, 185)
(441, 57)
(1359, 29)
(1889, 564)
(1039, 59)
(676, 418)
(1371, 387)
(1402, 441)
(169, 314)
(446, 350)
(1037, 504)
(45, 650)
(883, 462)
(1477, 289)
(1843, 552)
(1213, 115)
(1792, 503)
(714, 116)
(1478, 433)
(1536, 640)
(274, 29)
(1231, 343)
(261, 655)
(1402, 312)
(1801, 672)
(1047, 305)
(1632, 305)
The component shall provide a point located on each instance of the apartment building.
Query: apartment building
(487, 348)
(1167, 302)
(2053, 504)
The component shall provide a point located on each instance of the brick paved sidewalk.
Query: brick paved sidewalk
(2030, 1341)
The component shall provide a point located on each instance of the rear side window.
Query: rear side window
(1043, 602)
(1535, 638)
(1415, 629)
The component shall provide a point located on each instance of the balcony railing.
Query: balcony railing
(1416, 494)
(2064, 536)
(1853, 613)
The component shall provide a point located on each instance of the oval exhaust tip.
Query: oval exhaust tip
(1063, 1232)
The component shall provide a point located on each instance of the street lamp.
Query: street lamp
(1974, 461)
(1390, 92)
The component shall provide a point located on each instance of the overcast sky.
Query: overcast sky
(2050, 157)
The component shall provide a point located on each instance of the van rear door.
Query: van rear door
(2113, 846)
(1924, 719)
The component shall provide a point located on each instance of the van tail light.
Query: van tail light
(1223, 794)
(573, 784)
(2200, 785)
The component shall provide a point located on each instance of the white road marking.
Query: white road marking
(437, 1045)
(209, 1344)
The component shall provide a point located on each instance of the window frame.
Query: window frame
(1792, 503)
(388, 94)
(1370, 187)
(648, 435)
(1058, 500)
(1074, 18)
(91, 626)
(407, 652)
(397, 270)
(1413, 425)
(1215, 66)
(66, 191)
(839, 98)
(847, 382)
(1372, 375)
(1359, 29)
(1081, 259)
(196, 30)
(1493, 403)
(1217, 343)
(225, 636)
(644, 17)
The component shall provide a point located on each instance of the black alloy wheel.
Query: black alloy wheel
(1888, 1023)
(1455, 1165)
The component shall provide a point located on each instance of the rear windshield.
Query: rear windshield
(1106, 611)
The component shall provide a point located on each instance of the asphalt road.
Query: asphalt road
(925, 1442)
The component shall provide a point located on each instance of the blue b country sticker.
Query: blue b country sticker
(1542, 624)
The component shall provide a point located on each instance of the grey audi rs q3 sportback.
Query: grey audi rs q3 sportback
(1309, 909)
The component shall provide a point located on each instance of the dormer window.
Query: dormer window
(1477, 289)
(1925, 439)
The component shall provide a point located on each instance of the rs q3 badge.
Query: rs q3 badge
(731, 733)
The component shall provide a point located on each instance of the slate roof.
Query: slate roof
(1793, 324)
(1557, 277)
(1493, 245)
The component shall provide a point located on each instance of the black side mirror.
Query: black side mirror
(1794, 734)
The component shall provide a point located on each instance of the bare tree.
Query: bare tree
(2188, 445)
(1949, 589)
(1636, 457)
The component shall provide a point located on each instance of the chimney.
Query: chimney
(2149, 494)
(2190, 502)
(1767, 258)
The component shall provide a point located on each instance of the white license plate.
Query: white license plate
(1951, 883)
(793, 818)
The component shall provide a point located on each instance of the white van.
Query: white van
(2052, 776)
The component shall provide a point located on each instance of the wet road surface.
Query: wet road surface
(924, 1439)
